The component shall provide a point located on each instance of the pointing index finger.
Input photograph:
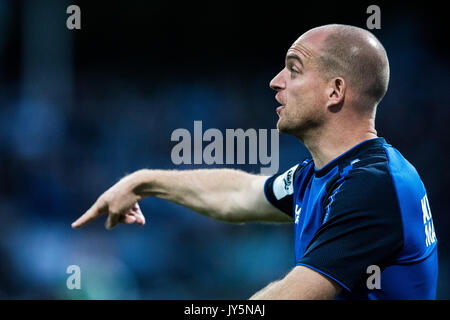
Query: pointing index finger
(94, 212)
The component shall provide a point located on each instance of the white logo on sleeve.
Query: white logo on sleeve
(283, 185)
(297, 213)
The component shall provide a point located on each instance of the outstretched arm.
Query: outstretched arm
(224, 194)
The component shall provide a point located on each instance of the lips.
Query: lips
(279, 109)
(280, 101)
(278, 98)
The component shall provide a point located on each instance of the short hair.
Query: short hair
(358, 56)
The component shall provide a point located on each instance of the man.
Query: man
(358, 206)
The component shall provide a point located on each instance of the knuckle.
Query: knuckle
(105, 199)
(114, 210)
(101, 203)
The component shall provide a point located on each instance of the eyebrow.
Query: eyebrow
(293, 56)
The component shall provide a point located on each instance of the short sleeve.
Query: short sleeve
(279, 189)
(362, 227)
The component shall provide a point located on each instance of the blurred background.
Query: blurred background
(79, 109)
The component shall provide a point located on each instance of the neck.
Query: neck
(326, 144)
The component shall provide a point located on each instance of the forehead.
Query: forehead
(307, 45)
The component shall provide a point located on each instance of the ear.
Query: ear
(336, 92)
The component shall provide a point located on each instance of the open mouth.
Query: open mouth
(278, 98)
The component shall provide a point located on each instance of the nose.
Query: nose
(278, 82)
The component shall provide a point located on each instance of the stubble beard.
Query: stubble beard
(300, 126)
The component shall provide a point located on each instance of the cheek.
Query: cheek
(306, 92)
(300, 94)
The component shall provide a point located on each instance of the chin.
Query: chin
(283, 127)
(296, 129)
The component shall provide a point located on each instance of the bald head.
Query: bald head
(354, 54)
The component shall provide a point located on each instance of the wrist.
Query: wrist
(142, 182)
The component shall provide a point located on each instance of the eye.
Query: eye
(293, 71)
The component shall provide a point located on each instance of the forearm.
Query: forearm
(211, 192)
(265, 293)
(301, 283)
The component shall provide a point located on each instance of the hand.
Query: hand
(121, 204)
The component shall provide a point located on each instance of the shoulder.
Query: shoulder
(364, 186)
(368, 176)
(364, 176)
(377, 169)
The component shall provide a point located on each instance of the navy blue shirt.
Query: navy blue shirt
(366, 210)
